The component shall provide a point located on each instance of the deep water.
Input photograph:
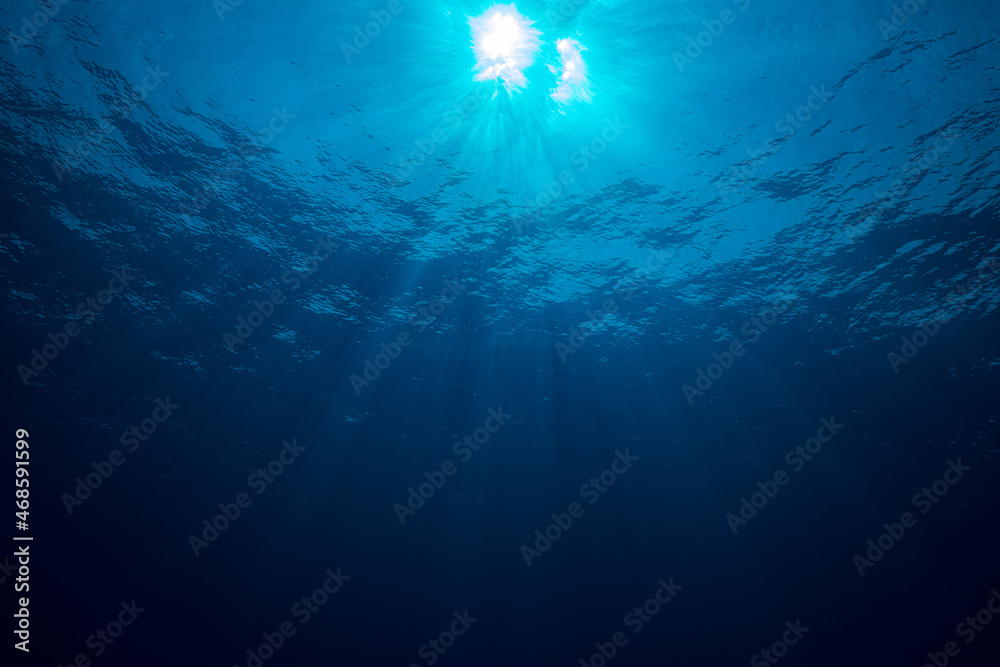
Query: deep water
(288, 305)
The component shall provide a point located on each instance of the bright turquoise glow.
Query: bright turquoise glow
(505, 45)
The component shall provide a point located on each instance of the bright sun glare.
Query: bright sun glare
(503, 36)
(505, 45)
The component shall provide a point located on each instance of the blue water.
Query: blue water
(708, 322)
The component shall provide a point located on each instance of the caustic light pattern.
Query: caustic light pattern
(505, 44)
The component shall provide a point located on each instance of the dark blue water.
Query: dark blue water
(667, 336)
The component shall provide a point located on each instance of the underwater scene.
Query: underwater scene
(593, 333)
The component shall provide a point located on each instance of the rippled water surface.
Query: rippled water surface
(670, 245)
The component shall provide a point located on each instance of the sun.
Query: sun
(505, 44)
